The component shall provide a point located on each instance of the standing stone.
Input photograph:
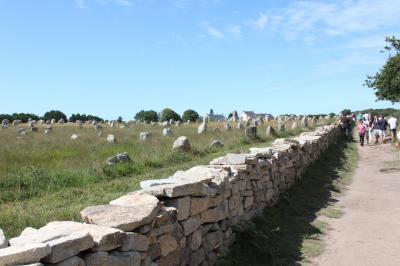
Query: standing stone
(52, 121)
(111, 138)
(227, 126)
(16, 122)
(3, 240)
(182, 144)
(5, 122)
(217, 144)
(98, 127)
(294, 125)
(167, 132)
(240, 125)
(61, 121)
(144, 136)
(165, 124)
(304, 122)
(178, 123)
(202, 128)
(281, 126)
(270, 132)
(205, 119)
(119, 158)
(251, 132)
(21, 131)
(79, 123)
(75, 136)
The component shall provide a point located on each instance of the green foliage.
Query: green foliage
(54, 114)
(119, 120)
(385, 112)
(147, 116)
(191, 115)
(84, 118)
(346, 112)
(386, 82)
(19, 116)
(168, 114)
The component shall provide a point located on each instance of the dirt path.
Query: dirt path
(369, 231)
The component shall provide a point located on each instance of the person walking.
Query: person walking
(375, 126)
(361, 131)
(345, 121)
(392, 121)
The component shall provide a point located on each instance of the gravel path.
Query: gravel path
(369, 231)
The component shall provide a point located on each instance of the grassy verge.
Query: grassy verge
(57, 180)
(290, 232)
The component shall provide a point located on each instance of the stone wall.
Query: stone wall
(186, 219)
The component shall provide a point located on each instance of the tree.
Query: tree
(346, 112)
(119, 120)
(386, 82)
(54, 114)
(191, 115)
(168, 114)
(148, 116)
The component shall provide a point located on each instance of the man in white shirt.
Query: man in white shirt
(392, 121)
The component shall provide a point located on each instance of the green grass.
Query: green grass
(290, 233)
(51, 177)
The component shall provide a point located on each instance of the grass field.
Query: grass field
(290, 233)
(51, 177)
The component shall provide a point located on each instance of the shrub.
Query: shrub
(168, 114)
(148, 116)
(54, 114)
(191, 115)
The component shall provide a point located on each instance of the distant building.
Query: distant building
(246, 115)
(215, 117)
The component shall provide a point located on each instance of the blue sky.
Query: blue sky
(116, 57)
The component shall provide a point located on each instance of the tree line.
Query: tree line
(53, 114)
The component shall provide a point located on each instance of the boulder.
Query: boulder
(111, 138)
(104, 238)
(118, 158)
(202, 128)
(178, 123)
(167, 132)
(3, 240)
(167, 244)
(5, 122)
(16, 122)
(144, 136)
(61, 121)
(251, 132)
(52, 121)
(29, 253)
(63, 243)
(217, 144)
(165, 124)
(75, 136)
(126, 213)
(182, 144)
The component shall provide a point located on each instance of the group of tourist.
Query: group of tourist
(373, 129)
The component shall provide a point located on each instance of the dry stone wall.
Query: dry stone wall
(186, 219)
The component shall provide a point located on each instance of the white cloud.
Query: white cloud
(125, 3)
(261, 21)
(235, 31)
(212, 31)
(81, 4)
(328, 18)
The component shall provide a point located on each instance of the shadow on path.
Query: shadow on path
(288, 233)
